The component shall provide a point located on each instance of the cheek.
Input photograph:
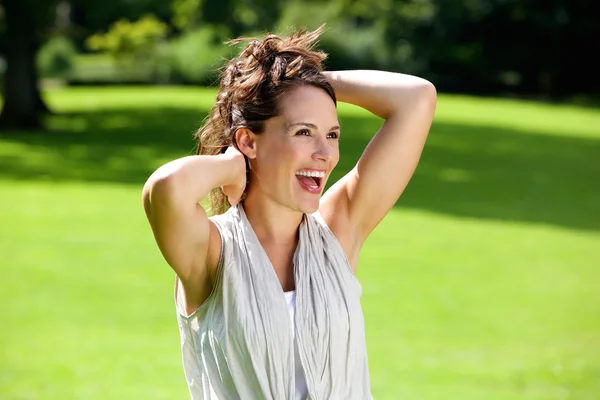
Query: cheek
(300, 155)
(276, 162)
(335, 158)
(280, 159)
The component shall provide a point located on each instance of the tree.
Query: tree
(26, 22)
(27, 25)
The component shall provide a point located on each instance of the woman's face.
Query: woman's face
(297, 150)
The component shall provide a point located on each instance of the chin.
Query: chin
(309, 207)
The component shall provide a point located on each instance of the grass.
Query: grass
(482, 283)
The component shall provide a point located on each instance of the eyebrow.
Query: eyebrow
(312, 126)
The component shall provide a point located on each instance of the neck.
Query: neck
(270, 221)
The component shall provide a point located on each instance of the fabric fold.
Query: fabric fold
(250, 354)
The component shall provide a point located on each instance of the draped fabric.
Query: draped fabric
(239, 343)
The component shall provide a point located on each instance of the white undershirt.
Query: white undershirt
(301, 391)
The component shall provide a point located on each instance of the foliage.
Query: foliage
(91, 16)
(363, 34)
(474, 46)
(197, 55)
(185, 13)
(130, 41)
(242, 16)
(103, 69)
(56, 57)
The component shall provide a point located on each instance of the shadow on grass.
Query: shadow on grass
(472, 171)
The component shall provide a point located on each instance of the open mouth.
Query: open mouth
(311, 180)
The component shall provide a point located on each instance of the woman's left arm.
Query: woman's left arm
(407, 104)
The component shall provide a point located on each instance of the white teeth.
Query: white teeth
(313, 174)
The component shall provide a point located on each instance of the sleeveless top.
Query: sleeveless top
(239, 343)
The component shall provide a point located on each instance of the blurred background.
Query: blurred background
(482, 283)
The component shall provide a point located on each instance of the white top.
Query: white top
(301, 390)
(239, 343)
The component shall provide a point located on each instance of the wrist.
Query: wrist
(233, 164)
(336, 82)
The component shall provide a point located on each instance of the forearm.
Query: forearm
(380, 92)
(190, 179)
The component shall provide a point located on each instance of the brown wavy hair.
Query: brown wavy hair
(251, 86)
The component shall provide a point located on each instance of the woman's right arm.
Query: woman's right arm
(171, 198)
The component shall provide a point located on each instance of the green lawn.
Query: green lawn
(482, 284)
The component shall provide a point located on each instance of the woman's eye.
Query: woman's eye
(303, 132)
(333, 135)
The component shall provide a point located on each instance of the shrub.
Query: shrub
(56, 57)
(103, 69)
(130, 41)
(197, 56)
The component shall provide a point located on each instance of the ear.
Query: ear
(246, 142)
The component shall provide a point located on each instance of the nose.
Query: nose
(323, 151)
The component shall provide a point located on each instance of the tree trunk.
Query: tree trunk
(23, 105)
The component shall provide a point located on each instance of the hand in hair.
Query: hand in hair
(250, 90)
(235, 190)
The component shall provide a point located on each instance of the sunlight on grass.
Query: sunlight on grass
(528, 116)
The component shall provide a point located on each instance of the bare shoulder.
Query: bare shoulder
(335, 211)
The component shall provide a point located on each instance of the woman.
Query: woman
(267, 299)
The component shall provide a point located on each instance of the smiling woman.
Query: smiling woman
(292, 157)
(275, 87)
(267, 299)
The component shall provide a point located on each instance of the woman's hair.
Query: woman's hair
(252, 85)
